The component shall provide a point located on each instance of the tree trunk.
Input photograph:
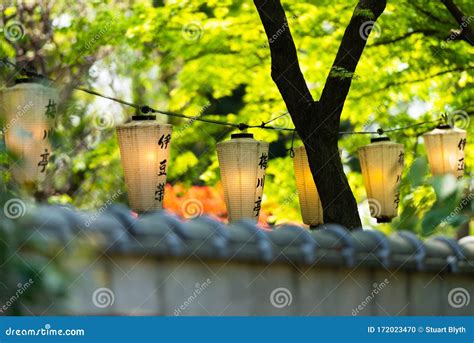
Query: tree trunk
(338, 202)
(317, 123)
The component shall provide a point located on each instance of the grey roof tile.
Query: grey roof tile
(248, 242)
(408, 250)
(49, 222)
(154, 235)
(293, 242)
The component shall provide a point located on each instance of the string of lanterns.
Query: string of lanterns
(30, 109)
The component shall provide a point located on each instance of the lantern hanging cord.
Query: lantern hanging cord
(380, 131)
(291, 149)
(240, 126)
(243, 126)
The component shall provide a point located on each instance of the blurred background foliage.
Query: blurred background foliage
(211, 59)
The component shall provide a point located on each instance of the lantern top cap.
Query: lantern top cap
(142, 123)
(241, 135)
(242, 138)
(33, 79)
(379, 139)
(143, 117)
(28, 82)
(444, 126)
(444, 129)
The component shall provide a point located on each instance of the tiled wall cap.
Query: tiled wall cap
(420, 254)
(204, 232)
(123, 215)
(382, 245)
(345, 237)
(258, 236)
(290, 235)
(152, 230)
(49, 221)
(115, 234)
(244, 240)
(456, 250)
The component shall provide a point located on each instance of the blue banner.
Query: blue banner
(237, 329)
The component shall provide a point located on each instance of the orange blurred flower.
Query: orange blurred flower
(191, 202)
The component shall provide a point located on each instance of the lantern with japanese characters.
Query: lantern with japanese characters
(29, 110)
(310, 204)
(242, 162)
(382, 166)
(144, 150)
(445, 149)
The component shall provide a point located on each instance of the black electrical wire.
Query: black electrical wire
(241, 126)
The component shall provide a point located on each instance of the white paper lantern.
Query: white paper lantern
(144, 150)
(243, 161)
(29, 112)
(310, 203)
(382, 166)
(445, 149)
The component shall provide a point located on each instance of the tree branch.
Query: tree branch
(353, 42)
(286, 71)
(404, 36)
(467, 33)
(429, 14)
(425, 78)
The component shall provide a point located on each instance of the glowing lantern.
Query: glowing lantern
(144, 149)
(243, 161)
(29, 112)
(382, 167)
(445, 149)
(310, 204)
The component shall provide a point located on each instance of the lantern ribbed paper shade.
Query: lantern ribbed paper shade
(145, 149)
(310, 204)
(382, 167)
(29, 111)
(242, 162)
(445, 149)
